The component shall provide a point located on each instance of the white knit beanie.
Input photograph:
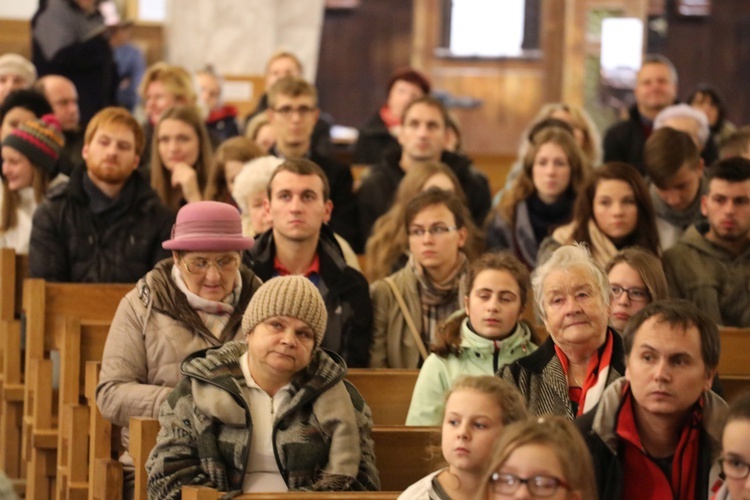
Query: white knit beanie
(293, 296)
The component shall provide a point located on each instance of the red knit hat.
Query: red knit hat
(208, 226)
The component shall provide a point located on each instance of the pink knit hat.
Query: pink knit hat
(208, 226)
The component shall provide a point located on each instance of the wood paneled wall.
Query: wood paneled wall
(714, 50)
(359, 50)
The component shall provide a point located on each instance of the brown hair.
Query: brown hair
(736, 144)
(666, 151)
(564, 441)
(678, 312)
(436, 196)
(412, 76)
(648, 267)
(508, 398)
(301, 166)
(239, 149)
(255, 124)
(645, 234)
(291, 86)
(389, 241)
(431, 102)
(114, 115)
(523, 185)
(172, 196)
(284, 54)
(176, 79)
(11, 199)
(448, 336)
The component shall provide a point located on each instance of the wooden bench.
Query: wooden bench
(203, 493)
(13, 269)
(80, 342)
(735, 352)
(105, 471)
(47, 307)
(386, 391)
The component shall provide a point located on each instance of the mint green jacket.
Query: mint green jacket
(476, 358)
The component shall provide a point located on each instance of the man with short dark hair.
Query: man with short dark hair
(422, 138)
(655, 89)
(675, 168)
(710, 265)
(107, 224)
(292, 113)
(652, 435)
(300, 242)
(63, 97)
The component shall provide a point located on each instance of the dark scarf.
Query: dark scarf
(544, 216)
(108, 210)
(652, 481)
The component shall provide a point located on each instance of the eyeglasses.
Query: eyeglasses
(199, 265)
(634, 294)
(433, 230)
(734, 468)
(288, 111)
(539, 485)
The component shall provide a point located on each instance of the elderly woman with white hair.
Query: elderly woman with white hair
(582, 355)
(250, 192)
(693, 122)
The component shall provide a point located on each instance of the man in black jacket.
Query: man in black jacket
(655, 89)
(300, 242)
(107, 224)
(292, 113)
(422, 138)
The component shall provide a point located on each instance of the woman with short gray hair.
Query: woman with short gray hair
(582, 355)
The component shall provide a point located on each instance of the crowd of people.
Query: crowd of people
(566, 330)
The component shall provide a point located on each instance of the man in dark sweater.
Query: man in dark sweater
(107, 224)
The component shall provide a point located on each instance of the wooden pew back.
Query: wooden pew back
(47, 308)
(203, 493)
(386, 391)
(404, 454)
(735, 347)
(13, 269)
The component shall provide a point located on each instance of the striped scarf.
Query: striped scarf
(439, 300)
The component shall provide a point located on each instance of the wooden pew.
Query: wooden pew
(80, 342)
(47, 307)
(105, 471)
(404, 454)
(735, 352)
(203, 493)
(387, 392)
(13, 270)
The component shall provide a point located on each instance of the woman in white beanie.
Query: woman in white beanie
(16, 72)
(266, 415)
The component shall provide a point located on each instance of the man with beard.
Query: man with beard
(107, 224)
(710, 264)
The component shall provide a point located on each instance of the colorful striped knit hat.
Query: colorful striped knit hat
(40, 141)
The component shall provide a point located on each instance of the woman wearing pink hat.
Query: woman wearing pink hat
(190, 302)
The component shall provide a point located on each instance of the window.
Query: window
(478, 28)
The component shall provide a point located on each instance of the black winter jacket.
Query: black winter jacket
(379, 188)
(344, 290)
(70, 244)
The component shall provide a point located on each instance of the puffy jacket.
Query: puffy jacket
(321, 432)
(478, 356)
(69, 243)
(153, 330)
(344, 290)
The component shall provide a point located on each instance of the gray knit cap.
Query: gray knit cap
(293, 296)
